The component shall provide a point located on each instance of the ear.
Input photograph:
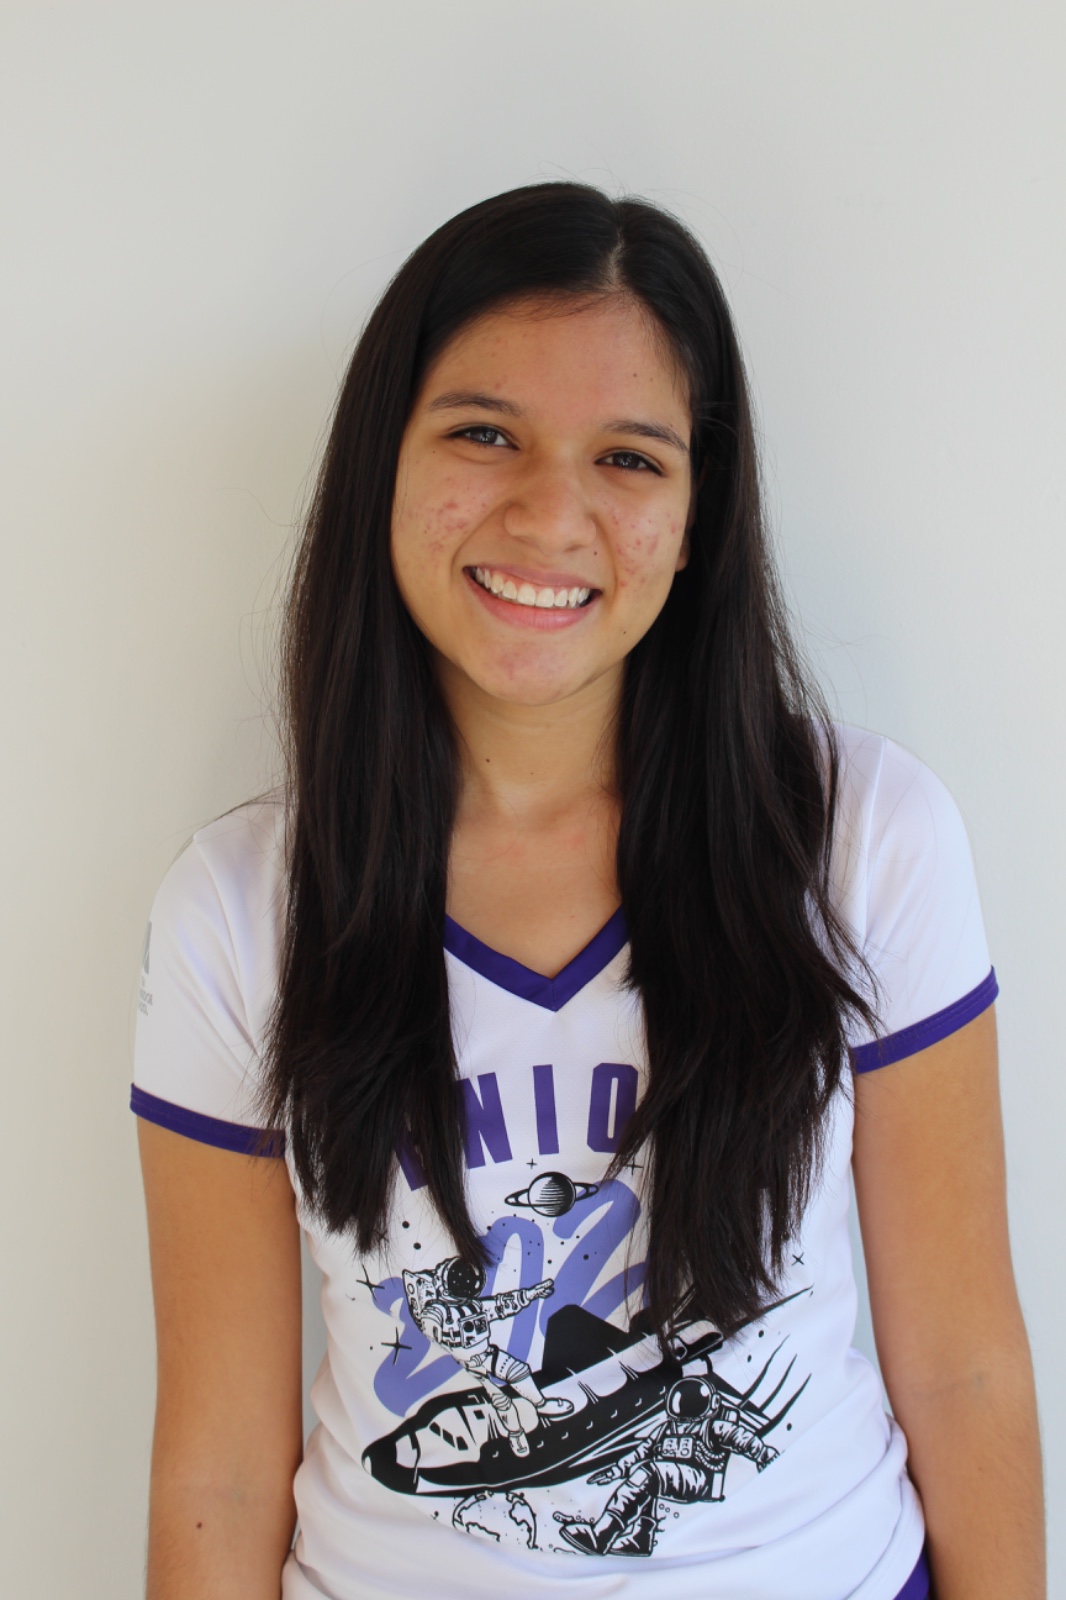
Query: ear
(683, 553)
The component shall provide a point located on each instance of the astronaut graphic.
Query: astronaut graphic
(683, 1461)
(448, 1307)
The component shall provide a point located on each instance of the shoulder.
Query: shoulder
(242, 853)
(885, 791)
(228, 882)
(894, 818)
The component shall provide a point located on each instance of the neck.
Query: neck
(532, 763)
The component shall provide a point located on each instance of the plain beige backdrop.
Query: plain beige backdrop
(199, 205)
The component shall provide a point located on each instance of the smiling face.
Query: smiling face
(543, 493)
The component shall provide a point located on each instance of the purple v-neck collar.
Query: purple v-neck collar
(551, 993)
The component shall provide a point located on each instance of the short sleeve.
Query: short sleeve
(207, 984)
(910, 896)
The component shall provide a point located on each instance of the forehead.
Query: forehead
(603, 358)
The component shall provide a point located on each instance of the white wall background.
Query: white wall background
(199, 204)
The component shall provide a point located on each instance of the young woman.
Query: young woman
(577, 963)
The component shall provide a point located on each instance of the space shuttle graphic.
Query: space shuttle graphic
(616, 1382)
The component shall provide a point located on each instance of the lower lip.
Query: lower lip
(544, 618)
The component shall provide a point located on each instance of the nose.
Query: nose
(550, 508)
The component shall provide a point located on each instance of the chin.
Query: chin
(530, 694)
(515, 680)
(526, 686)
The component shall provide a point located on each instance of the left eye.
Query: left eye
(630, 461)
(482, 435)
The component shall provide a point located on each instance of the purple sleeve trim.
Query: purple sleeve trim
(908, 1041)
(918, 1584)
(206, 1130)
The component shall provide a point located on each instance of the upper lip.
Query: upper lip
(555, 579)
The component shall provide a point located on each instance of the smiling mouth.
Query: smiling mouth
(527, 594)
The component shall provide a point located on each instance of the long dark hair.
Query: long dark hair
(726, 770)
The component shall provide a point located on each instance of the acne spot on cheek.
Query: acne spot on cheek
(441, 524)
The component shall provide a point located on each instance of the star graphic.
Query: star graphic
(395, 1344)
(365, 1280)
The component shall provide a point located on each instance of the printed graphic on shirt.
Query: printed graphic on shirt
(449, 1308)
(610, 1438)
(553, 1194)
(683, 1460)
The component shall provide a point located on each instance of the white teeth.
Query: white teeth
(526, 594)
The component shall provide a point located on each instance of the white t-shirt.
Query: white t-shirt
(523, 1435)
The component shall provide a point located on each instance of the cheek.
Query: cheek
(646, 552)
(434, 521)
(441, 525)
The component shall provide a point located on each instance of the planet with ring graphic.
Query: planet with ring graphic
(552, 1194)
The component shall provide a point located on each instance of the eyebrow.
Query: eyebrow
(461, 399)
(650, 430)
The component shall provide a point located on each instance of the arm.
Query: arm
(624, 1464)
(509, 1302)
(745, 1441)
(225, 1255)
(929, 1177)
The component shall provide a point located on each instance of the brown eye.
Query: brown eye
(630, 461)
